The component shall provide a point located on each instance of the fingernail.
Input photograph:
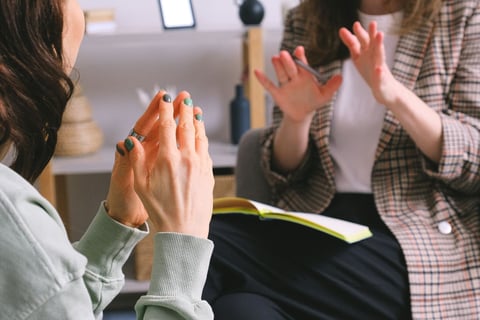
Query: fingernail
(199, 117)
(128, 144)
(167, 98)
(188, 102)
(119, 150)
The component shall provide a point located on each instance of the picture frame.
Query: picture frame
(177, 14)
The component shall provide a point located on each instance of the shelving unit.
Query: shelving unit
(51, 182)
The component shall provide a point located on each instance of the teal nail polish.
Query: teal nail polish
(128, 144)
(119, 150)
(167, 98)
(199, 117)
(188, 102)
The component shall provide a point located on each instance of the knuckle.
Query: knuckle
(167, 123)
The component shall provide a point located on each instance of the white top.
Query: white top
(357, 118)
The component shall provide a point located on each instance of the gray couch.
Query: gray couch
(249, 178)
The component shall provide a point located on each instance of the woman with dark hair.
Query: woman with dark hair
(162, 172)
(389, 138)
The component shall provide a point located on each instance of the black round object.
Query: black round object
(251, 12)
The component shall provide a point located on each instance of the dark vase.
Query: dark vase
(239, 115)
(251, 12)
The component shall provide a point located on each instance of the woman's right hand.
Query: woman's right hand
(298, 94)
(172, 169)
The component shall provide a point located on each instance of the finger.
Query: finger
(166, 125)
(299, 52)
(121, 165)
(372, 30)
(185, 128)
(362, 35)
(178, 102)
(135, 155)
(201, 141)
(280, 71)
(266, 83)
(147, 119)
(331, 86)
(350, 41)
(379, 53)
(288, 64)
(151, 144)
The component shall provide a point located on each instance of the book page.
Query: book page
(265, 208)
(342, 229)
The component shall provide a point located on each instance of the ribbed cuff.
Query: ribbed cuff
(107, 244)
(180, 265)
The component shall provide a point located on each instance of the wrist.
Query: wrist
(118, 218)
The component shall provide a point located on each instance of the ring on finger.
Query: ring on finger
(138, 136)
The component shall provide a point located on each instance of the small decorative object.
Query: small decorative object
(251, 12)
(177, 14)
(239, 114)
(79, 134)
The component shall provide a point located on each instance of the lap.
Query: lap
(308, 274)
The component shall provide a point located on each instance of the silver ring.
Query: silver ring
(139, 137)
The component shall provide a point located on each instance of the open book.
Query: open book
(344, 230)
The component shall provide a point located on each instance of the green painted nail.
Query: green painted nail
(199, 116)
(119, 150)
(167, 98)
(188, 102)
(128, 144)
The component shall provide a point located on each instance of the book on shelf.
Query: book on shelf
(345, 230)
(100, 21)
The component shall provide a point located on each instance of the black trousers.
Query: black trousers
(279, 270)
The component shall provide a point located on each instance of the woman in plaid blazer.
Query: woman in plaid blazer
(389, 137)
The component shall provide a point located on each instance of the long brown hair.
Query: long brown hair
(323, 19)
(34, 88)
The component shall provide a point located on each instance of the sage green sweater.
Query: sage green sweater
(44, 276)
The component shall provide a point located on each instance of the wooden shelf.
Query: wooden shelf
(223, 156)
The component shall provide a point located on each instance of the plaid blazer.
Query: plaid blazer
(418, 201)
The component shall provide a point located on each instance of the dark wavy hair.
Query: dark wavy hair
(34, 88)
(323, 19)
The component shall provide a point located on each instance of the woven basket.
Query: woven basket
(77, 110)
(75, 139)
(78, 134)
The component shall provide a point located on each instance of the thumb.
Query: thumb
(135, 153)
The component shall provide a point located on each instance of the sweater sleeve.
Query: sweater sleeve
(179, 272)
(107, 245)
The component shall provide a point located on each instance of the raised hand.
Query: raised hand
(298, 94)
(123, 203)
(172, 169)
(368, 54)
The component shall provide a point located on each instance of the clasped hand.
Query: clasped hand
(168, 177)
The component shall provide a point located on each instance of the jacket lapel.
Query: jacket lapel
(409, 58)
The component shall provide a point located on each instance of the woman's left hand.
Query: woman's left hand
(123, 203)
(368, 54)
